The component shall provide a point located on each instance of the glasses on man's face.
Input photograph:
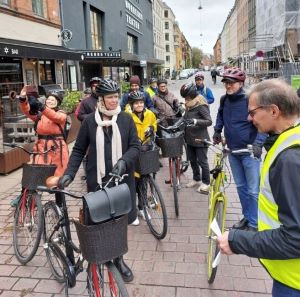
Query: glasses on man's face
(162, 86)
(252, 112)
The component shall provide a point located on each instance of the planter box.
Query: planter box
(74, 128)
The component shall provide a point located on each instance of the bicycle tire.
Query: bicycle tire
(184, 164)
(174, 185)
(28, 227)
(67, 267)
(98, 285)
(213, 249)
(52, 216)
(154, 206)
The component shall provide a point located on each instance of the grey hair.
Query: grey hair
(279, 93)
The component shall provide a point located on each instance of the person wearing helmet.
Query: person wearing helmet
(197, 117)
(202, 89)
(135, 85)
(108, 136)
(152, 89)
(145, 122)
(239, 132)
(214, 74)
(50, 122)
(165, 103)
(89, 101)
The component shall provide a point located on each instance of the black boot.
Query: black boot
(242, 224)
(125, 271)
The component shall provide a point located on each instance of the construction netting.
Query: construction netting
(273, 18)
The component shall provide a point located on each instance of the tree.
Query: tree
(197, 55)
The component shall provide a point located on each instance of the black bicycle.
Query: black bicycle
(103, 279)
(28, 219)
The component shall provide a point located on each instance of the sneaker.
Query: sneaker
(136, 222)
(204, 189)
(192, 184)
(142, 214)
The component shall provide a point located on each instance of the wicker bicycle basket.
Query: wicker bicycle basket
(103, 242)
(171, 147)
(36, 174)
(148, 162)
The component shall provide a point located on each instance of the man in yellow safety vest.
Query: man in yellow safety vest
(274, 108)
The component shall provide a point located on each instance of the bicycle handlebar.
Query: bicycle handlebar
(176, 127)
(13, 145)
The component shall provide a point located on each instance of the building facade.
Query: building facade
(217, 52)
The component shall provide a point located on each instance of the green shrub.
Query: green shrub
(71, 100)
(124, 87)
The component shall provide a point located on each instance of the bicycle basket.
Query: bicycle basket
(103, 242)
(148, 161)
(171, 146)
(36, 174)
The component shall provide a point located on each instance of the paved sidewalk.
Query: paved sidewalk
(175, 266)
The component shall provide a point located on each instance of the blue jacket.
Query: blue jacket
(148, 101)
(206, 93)
(232, 115)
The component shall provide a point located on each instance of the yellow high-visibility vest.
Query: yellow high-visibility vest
(285, 271)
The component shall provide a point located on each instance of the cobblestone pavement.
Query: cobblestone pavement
(175, 266)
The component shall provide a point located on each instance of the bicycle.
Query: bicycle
(218, 201)
(28, 218)
(172, 147)
(103, 278)
(149, 193)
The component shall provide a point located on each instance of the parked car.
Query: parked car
(184, 74)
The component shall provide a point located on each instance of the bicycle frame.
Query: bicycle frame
(177, 161)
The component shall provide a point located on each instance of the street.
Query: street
(173, 267)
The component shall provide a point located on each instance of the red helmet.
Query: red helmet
(234, 74)
(199, 75)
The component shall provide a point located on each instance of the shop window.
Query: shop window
(96, 30)
(132, 44)
(38, 7)
(47, 74)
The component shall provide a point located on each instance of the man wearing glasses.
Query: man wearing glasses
(274, 108)
(239, 132)
(202, 89)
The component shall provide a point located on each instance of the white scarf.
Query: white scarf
(116, 139)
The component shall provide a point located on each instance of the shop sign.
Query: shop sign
(134, 16)
(143, 63)
(101, 54)
(9, 51)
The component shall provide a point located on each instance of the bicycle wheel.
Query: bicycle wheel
(184, 164)
(104, 280)
(52, 215)
(154, 208)
(28, 226)
(175, 185)
(213, 249)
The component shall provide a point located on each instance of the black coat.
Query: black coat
(86, 143)
(202, 115)
(87, 106)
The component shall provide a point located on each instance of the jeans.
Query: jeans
(198, 157)
(280, 290)
(245, 170)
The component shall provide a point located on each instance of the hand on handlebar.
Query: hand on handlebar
(64, 181)
(257, 151)
(190, 122)
(217, 137)
(119, 168)
(149, 132)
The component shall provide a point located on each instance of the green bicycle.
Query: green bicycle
(218, 202)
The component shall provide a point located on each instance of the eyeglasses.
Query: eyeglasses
(252, 112)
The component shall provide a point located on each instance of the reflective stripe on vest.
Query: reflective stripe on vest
(284, 271)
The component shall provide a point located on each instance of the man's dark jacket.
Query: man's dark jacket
(87, 106)
(86, 143)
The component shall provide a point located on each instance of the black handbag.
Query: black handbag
(106, 204)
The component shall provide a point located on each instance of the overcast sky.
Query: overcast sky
(208, 21)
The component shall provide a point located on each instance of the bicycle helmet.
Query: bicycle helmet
(152, 80)
(234, 75)
(95, 79)
(106, 87)
(57, 95)
(199, 75)
(162, 81)
(188, 90)
(136, 96)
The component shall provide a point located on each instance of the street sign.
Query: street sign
(143, 63)
(66, 35)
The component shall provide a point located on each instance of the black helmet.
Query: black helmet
(162, 81)
(106, 87)
(188, 90)
(95, 79)
(58, 96)
(152, 80)
(136, 96)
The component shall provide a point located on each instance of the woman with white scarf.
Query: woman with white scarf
(109, 138)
